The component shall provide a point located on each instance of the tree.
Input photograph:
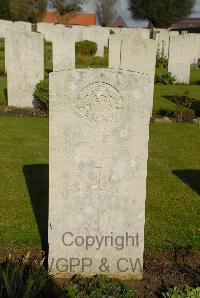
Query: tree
(27, 10)
(66, 8)
(106, 12)
(161, 13)
(4, 10)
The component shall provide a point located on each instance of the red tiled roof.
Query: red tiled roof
(84, 19)
(50, 17)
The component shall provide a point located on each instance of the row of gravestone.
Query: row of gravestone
(130, 49)
(98, 150)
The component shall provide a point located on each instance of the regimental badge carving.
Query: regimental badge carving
(99, 103)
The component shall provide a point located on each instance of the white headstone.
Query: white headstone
(4, 26)
(137, 32)
(47, 29)
(77, 33)
(199, 46)
(15, 27)
(180, 58)
(115, 51)
(133, 54)
(104, 33)
(22, 26)
(25, 66)
(63, 49)
(194, 47)
(163, 43)
(99, 131)
(138, 55)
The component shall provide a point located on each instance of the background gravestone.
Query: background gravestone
(4, 26)
(47, 29)
(63, 49)
(138, 55)
(99, 131)
(194, 46)
(22, 26)
(140, 33)
(180, 58)
(25, 66)
(115, 51)
(163, 42)
(15, 27)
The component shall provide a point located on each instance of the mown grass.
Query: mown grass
(173, 188)
(23, 142)
(162, 93)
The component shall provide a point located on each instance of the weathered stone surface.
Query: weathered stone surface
(25, 66)
(99, 131)
(104, 33)
(15, 27)
(140, 33)
(133, 32)
(77, 33)
(63, 49)
(163, 37)
(180, 58)
(133, 54)
(115, 51)
(138, 55)
(129, 53)
(194, 47)
(47, 29)
(163, 42)
(4, 26)
(22, 26)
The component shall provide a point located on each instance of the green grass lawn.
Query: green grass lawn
(162, 93)
(172, 207)
(173, 185)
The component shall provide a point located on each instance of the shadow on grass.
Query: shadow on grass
(195, 104)
(5, 91)
(37, 180)
(189, 177)
(196, 107)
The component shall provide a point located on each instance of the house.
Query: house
(119, 22)
(82, 19)
(192, 25)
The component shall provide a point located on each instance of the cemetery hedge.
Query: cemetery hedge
(172, 208)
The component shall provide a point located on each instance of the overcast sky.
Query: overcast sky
(89, 6)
